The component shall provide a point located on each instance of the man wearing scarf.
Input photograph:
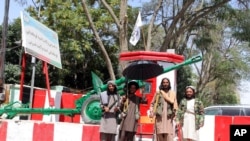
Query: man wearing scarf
(163, 108)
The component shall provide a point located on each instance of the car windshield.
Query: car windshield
(212, 111)
(231, 111)
(228, 111)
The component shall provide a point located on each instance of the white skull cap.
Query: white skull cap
(111, 82)
(192, 87)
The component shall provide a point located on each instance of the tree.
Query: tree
(241, 29)
(88, 29)
(98, 39)
(12, 53)
(78, 47)
(187, 26)
(223, 65)
(184, 76)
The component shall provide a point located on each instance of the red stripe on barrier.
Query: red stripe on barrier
(242, 120)
(68, 101)
(90, 133)
(222, 128)
(43, 132)
(3, 130)
(38, 102)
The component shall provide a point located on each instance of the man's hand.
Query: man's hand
(177, 124)
(117, 109)
(123, 99)
(106, 109)
(150, 112)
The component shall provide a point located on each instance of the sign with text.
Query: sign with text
(40, 41)
(239, 132)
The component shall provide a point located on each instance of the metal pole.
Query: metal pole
(3, 48)
(33, 63)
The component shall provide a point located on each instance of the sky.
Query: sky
(14, 12)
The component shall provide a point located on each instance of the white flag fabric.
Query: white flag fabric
(136, 34)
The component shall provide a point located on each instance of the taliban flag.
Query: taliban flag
(136, 31)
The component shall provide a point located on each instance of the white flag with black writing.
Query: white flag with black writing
(136, 32)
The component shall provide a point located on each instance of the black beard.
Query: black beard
(188, 98)
(130, 94)
(111, 93)
(165, 89)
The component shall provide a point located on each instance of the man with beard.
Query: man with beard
(109, 105)
(190, 115)
(130, 112)
(163, 108)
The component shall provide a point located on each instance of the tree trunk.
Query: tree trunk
(3, 47)
(157, 8)
(121, 24)
(99, 41)
(123, 31)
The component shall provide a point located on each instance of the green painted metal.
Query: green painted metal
(12, 110)
(92, 110)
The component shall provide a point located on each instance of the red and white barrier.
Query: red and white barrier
(217, 128)
(11, 130)
(61, 99)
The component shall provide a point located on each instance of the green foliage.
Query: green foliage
(227, 68)
(12, 73)
(79, 50)
(227, 98)
(241, 29)
(184, 78)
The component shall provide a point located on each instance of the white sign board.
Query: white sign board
(40, 41)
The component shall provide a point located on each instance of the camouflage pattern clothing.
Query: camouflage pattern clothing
(198, 112)
(164, 112)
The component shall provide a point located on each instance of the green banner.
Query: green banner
(97, 82)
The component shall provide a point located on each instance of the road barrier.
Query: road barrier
(27, 130)
(217, 128)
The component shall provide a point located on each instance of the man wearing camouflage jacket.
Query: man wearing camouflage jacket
(190, 115)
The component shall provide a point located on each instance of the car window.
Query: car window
(228, 111)
(233, 111)
(212, 111)
(242, 113)
(247, 111)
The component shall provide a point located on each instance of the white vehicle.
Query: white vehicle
(228, 110)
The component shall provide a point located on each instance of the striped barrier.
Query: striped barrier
(62, 100)
(30, 130)
(27, 130)
(217, 128)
